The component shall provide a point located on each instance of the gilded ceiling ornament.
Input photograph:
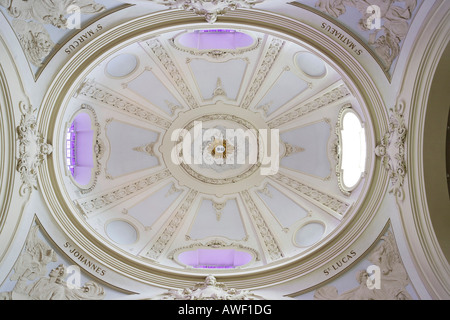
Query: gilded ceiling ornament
(391, 150)
(32, 150)
(395, 19)
(210, 289)
(31, 266)
(210, 9)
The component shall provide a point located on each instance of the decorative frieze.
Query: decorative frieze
(333, 204)
(110, 198)
(175, 221)
(266, 234)
(272, 53)
(167, 62)
(95, 91)
(328, 98)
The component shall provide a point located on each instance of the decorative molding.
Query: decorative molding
(210, 9)
(99, 150)
(218, 207)
(216, 54)
(32, 150)
(101, 201)
(336, 150)
(291, 149)
(219, 91)
(266, 234)
(210, 289)
(215, 244)
(173, 189)
(32, 266)
(34, 39)
(160, 244)
(162, 55)
(393, 277)
(275, 47)
(148, 149)
(395, 23)
(31, 16)
(93, 90)
(336, 206)
(332, 96)
(391, 150)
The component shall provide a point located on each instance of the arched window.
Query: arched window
(352, 150)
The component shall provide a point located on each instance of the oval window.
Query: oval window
(80, 149)
(352, 150)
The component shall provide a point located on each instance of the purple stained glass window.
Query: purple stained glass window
(216, 39)
(215, 258)
(79, 149)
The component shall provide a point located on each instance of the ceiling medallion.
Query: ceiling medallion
(210, 9)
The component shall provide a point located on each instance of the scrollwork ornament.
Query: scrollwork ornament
(210, 9)
(391, 150)
(32, 150)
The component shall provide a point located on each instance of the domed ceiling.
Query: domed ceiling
(214, 150)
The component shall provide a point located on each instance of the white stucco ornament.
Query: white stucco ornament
(210, 9)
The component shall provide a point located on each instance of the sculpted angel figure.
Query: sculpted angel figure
(52, 287)
(393, 29)
(49, 11)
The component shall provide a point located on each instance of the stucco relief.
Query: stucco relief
(30, 18)
(32, 150)
(394, 17)
(392, 282)
(210, 289)
(210, 9)
(33, 282)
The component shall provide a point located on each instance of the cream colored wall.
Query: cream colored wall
(428, 278)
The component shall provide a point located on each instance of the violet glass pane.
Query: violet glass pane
(215, 258)
(216, 40)
(79, 149)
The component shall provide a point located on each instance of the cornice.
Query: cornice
(69, 78)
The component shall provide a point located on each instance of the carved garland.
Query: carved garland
(391, 150)
(32, 150)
